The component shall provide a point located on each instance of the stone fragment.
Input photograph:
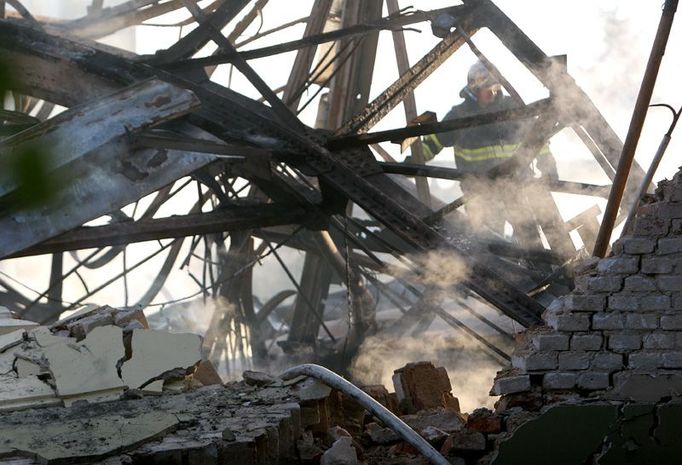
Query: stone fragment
(381, 435)
(307, 450)
(441, 418)
(593, 380)
(660, 340)
(510, 384)
(618, 265)
(624, 302)
(340, 453)
(570, 361)
(657, 265)
(157, 352)
(672, 359)
(559, 380)
(433, 435)
(639, 283)
(422, 386)
(669, 245)
(484, 421)
(651, 226)
(535, 361)
(641, 321)
(206, 373)
(549, 341)
(257, 378)
(379, 393)
(11, 339)
(26, 368)
(608, 321)
(586, 342)
(463, 441)
(669, 282)
(637, 245)
(568, 322)
(654, 302)
(607, 361)
(645, 360)
(88, 367)
(604, 283)
(624, 342)
(584, 302)
(228, 435)
(671, 322)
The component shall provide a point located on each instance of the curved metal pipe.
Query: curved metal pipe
(335, 381)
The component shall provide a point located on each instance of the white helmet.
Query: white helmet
(479, 77)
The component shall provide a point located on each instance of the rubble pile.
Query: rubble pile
(618, 335)
(98, 353)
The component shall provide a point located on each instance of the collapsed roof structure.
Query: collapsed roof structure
(139, 125)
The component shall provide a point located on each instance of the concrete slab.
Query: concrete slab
(88, 366)
(76, 440)
(27, 368)
(11, 339)
(156, 352)
(9, 325)
(17, 393)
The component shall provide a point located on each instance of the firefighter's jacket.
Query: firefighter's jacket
(479, 148)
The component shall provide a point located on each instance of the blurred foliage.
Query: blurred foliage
(29, 168)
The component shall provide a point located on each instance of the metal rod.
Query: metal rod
(654, 166)
(636, 123)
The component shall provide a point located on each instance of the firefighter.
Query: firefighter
(480, 148)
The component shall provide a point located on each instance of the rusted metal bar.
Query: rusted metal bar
(356, 140)
(358, 29)
(397, 91)
(653, 167)
(304, 57)
(409, 103)
(636, 123)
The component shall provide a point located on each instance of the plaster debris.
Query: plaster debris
(157, 352)
(17, 393)
(10, 325)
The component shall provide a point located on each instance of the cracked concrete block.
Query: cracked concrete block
(18, 393)
(88, 366)
(672, 359)
(639, 283)
(641, 321)
(549, 341)
(624, 302)
(10, 325)
(624, 342)
(571, 361)
(559, 380)
(586, 342)
(11, 339)
(27, 368)
(568, 322)
(666, 282)
(584, 302)
(618, 265)
(157, 352)
(607, 361)
(604, 283)
(669, 245)
(658, 265)
(660, 340)
(535, 361)
(511, 384)
(645, 360)
(637, 245)
(593, 380)
(654, 302)
(75, 440)
(608, 321)
(671, 322)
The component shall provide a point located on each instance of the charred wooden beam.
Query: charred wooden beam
(231, 219)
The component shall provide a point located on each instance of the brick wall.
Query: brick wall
(619, 333)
